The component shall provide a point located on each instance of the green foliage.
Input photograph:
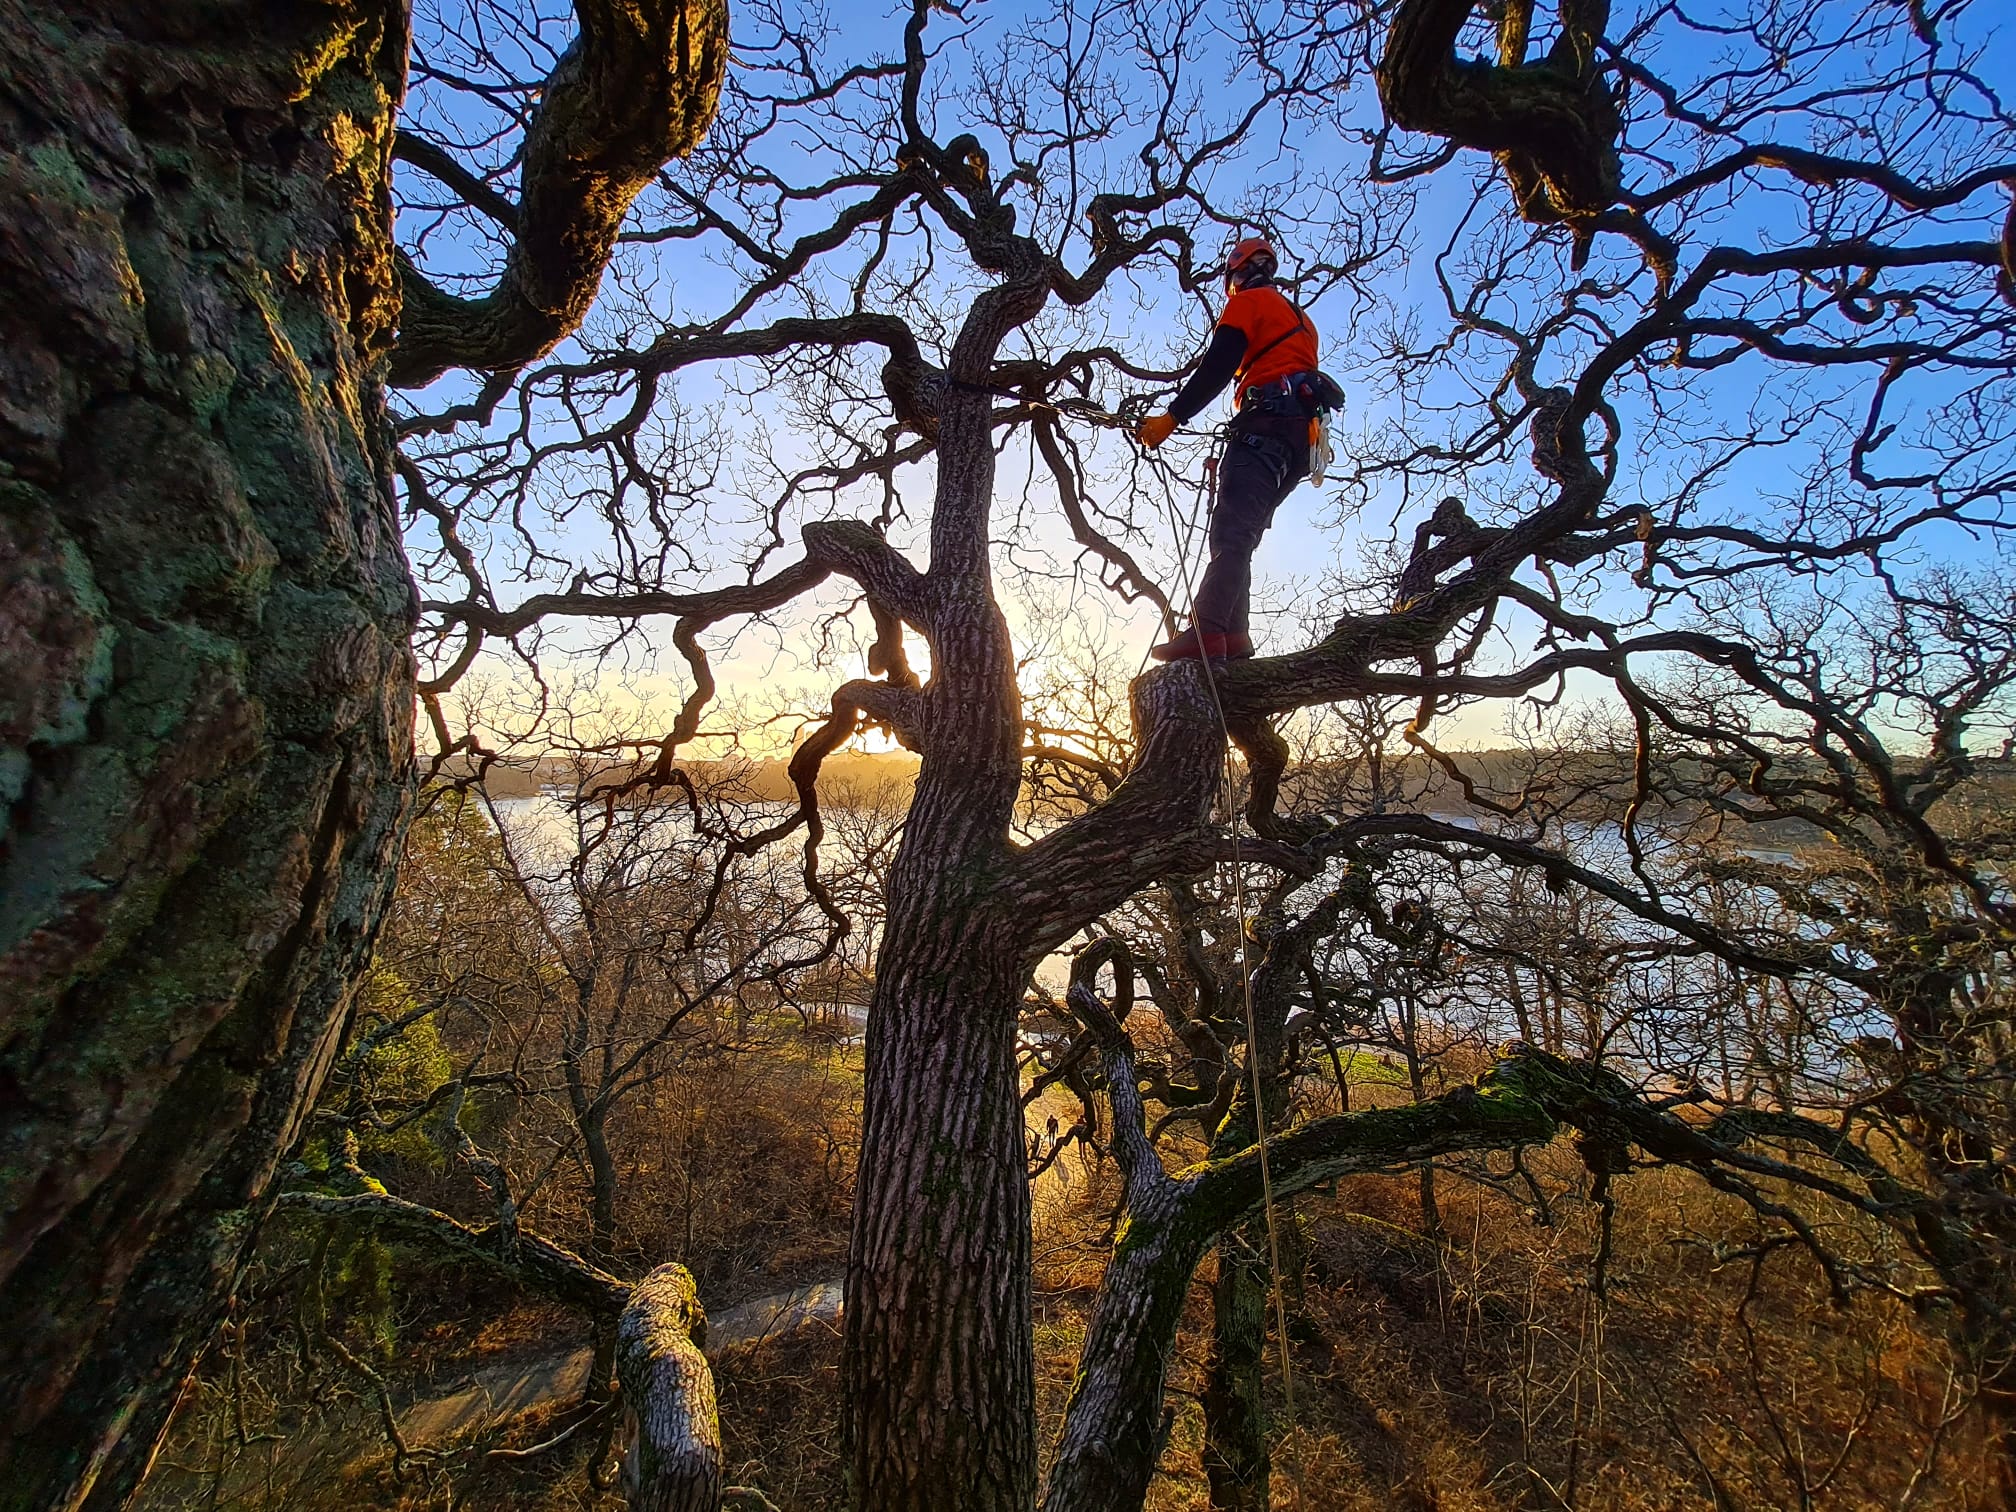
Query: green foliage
(1362, 1068)
(451, 843)
(398, 1072)
(357, 1286)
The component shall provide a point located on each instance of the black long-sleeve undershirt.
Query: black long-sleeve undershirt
(1220, 362)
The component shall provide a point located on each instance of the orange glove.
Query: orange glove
(1156, 429)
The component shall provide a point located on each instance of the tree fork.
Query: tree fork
(639, 85)
(1551, 124)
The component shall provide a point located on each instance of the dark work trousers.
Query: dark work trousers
(1265, 456)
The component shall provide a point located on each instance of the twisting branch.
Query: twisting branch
(1139, 1166)
(638, 87)
(1552, 124)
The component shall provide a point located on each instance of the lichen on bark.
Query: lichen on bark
(205, 684)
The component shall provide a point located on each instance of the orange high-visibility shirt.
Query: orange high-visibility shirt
(1280, 340)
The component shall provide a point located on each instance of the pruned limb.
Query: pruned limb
(1155, 823)
(898, 709)
(639, 86)
(673, 1463)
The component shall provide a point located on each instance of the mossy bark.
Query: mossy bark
(1112, 1432)
(205, 683)
(1237, 1463)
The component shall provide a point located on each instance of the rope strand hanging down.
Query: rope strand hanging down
(1186, 538)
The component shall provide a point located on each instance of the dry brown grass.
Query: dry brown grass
(1477, 1373)
(1484, 1376)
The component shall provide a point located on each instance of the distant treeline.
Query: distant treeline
(1592, 786)
(859, 774)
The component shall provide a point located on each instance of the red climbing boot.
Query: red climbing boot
(1190, 644)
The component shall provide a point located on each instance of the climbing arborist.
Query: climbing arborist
(1266, 345)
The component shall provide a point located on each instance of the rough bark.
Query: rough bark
(1552, 123)
(1237, 1462)
(1969, 1244)
(205, 687)
(673, 1462)
(1113, 1429)
(937, 1368)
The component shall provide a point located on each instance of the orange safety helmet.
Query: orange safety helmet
(1251, 250)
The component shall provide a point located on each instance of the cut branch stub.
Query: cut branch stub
(638, 87)
(1552, 124)
(673, 1463)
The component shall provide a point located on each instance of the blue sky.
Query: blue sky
(1301, 175)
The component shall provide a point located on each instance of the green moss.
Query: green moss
(58, 171)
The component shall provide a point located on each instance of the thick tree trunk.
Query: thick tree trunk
(940, 1391)
(205, 687)
(937, 1371)
(1236, 1460)
(1967, 1245)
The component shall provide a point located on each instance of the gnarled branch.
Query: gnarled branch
(1552, 124)
(639, 86)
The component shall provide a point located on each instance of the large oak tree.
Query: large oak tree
(207, 668)
(205, 677)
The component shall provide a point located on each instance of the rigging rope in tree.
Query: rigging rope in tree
(1254, 1088)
